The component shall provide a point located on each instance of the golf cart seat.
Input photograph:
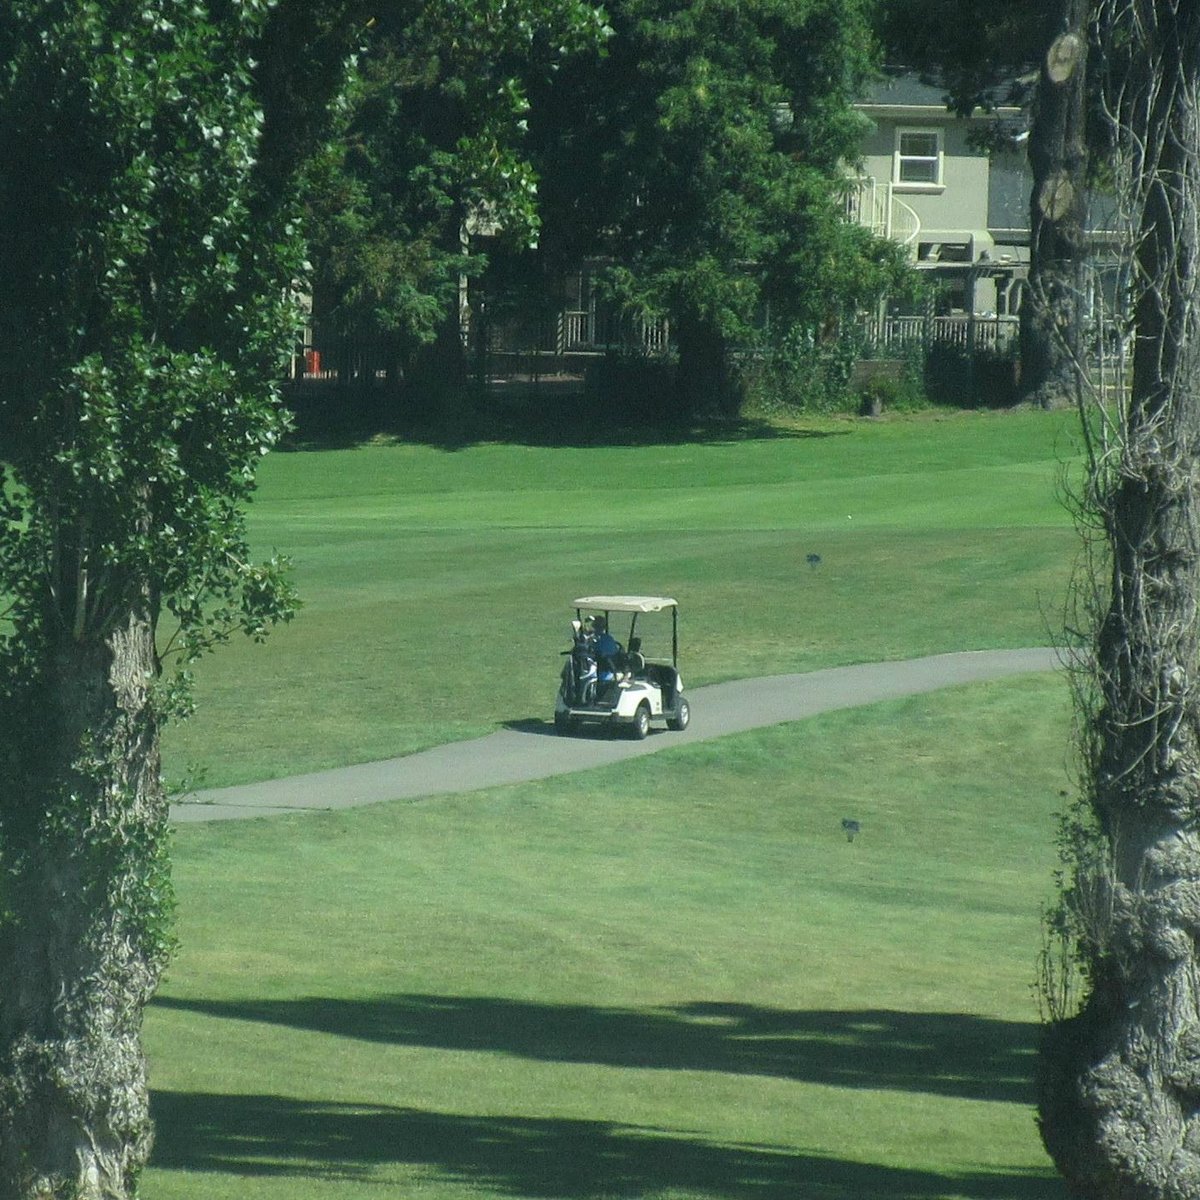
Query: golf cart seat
(633, 662)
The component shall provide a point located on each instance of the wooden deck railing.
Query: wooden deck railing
(978, 333)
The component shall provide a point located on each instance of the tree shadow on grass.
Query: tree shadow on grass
(573, 421)
(263, 1135)
(944, 1054)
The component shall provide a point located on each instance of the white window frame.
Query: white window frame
(936, 184)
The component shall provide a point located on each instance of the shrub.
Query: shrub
(801, 373)
(633, 387)
(897, 390)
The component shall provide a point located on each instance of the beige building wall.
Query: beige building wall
(953, 209)
(937, 183)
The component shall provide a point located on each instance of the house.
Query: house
(960, 209)
(955, 192)
(926, 180)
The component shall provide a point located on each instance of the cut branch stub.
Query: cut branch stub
(1057, 197)
(1063, 57)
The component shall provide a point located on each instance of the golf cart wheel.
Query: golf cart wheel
(678, 720)
(563, 724)
(641, 722)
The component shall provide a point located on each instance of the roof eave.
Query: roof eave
(930, 112)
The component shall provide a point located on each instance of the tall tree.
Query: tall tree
(702, 153)
(977, 50)
(1120, 1080)
(148, 207)
(431, 152)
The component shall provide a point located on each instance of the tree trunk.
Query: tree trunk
(1052, 317)
(1120, 1082)
(89, 898)
(437, 382)
(704, 383)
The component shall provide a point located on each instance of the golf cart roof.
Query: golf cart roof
(632, 604)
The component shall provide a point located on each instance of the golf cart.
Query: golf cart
(605, 682)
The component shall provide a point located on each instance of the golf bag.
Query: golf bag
(579, 673)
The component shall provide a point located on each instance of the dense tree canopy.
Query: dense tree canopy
(701, 151)
(697, 147)
(978, 50)
(433, 144)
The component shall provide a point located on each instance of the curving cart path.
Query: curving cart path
(532, 750)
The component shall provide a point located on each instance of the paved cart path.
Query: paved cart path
(534, 751)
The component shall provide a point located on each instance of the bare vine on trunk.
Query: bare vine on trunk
(1119, 1088)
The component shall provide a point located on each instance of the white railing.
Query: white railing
(970, 333)
(861, 204)
(905, 224)
(578, 330)
(655, 336)
(582, 330)
(876, 207)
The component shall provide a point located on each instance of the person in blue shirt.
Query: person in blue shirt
(607, 648)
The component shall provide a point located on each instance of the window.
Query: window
(918, 161)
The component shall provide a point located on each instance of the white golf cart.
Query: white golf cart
(608, 682)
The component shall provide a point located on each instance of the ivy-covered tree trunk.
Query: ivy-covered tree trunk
(148, 207)
(1052, 316)
(1120, 1081)
(87, 935)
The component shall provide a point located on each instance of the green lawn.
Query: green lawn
(673, 979)
(436, 583)
(670, 978)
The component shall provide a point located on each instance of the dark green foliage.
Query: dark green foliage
(977, 49)
(898, 388)
(145, 281)
(701, 152)
(430, 151)
(633, 388)
(799, 372)
(953, 375)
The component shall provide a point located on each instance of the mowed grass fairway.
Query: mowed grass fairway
(436, 583)
(672, 979)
